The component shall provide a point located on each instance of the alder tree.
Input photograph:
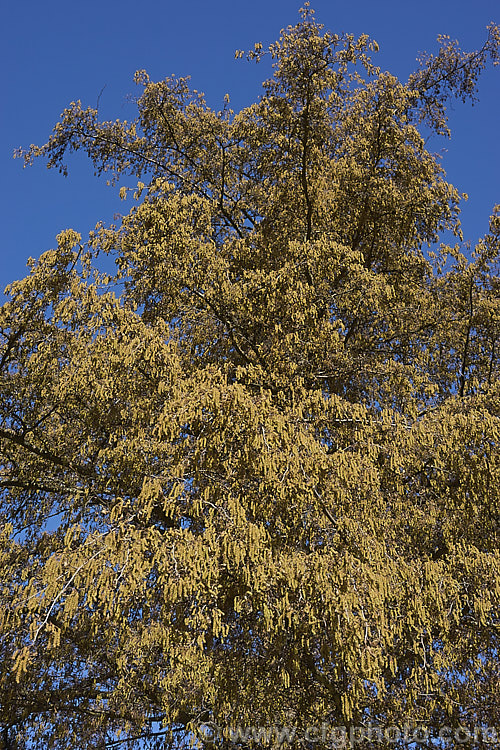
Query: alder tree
(251, 476)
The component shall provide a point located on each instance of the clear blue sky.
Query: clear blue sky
(55, 52)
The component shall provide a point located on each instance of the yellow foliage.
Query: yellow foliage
(253, 477)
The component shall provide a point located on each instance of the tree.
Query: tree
(252, 478)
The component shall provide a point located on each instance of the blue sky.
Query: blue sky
(55, 52)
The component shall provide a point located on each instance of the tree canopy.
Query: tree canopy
(251, 477)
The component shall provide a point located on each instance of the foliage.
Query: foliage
(253, 477)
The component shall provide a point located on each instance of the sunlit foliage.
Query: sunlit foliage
(252, 478)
